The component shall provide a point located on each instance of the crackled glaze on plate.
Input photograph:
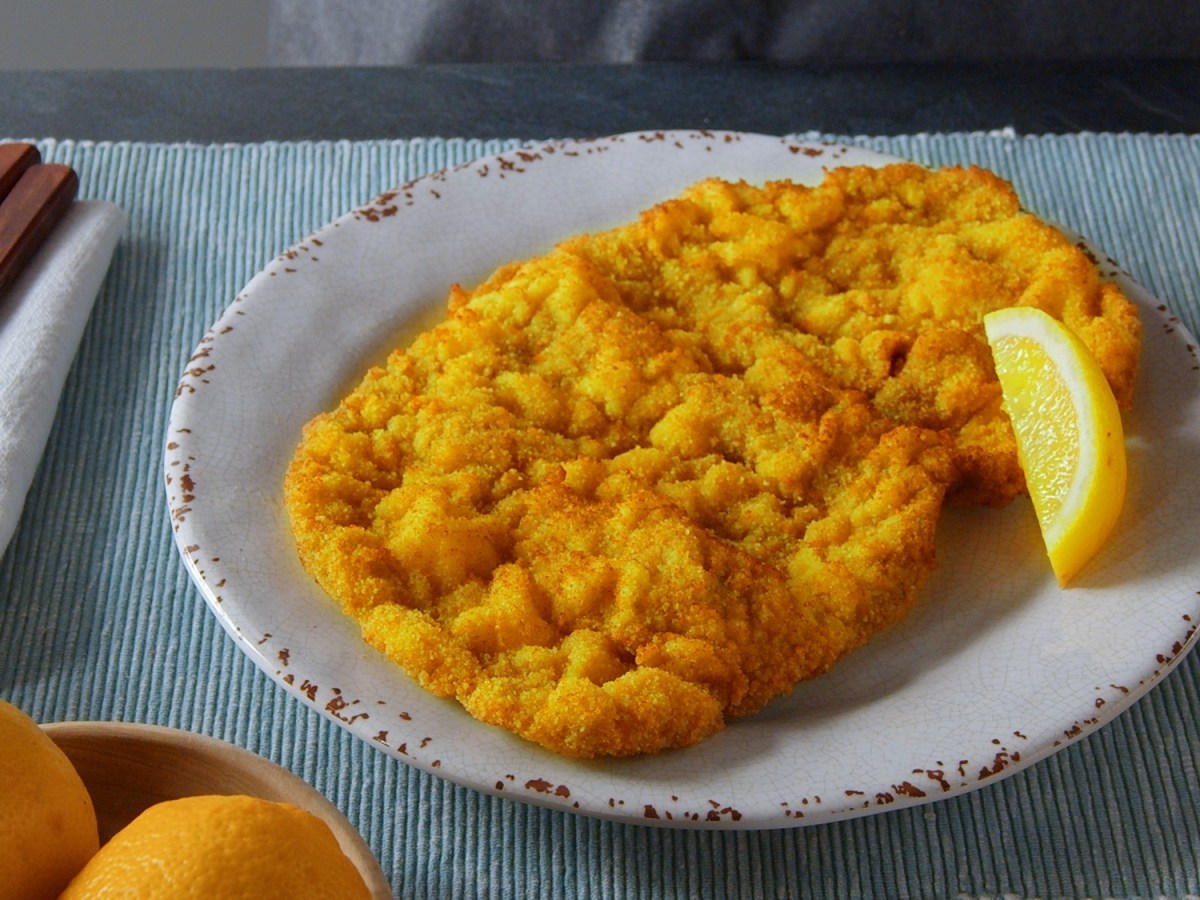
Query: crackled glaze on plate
(996, 669)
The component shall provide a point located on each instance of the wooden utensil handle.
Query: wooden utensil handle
(32, 208)
(15, 159)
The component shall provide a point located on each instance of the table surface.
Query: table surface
(578, 101)
(98, 617)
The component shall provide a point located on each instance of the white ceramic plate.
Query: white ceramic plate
(997, 669)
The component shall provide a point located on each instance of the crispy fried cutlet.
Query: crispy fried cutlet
(652, 479)
(882, 278)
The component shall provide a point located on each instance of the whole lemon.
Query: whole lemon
(47, 821)
(220, 847)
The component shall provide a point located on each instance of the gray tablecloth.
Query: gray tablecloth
(98, 619)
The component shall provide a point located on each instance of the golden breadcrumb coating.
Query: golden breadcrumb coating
(652, 479)
(882, 276)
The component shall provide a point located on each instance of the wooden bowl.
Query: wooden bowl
(127, 767)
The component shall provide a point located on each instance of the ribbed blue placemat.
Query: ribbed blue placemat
(99, 621)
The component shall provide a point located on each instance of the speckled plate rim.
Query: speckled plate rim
(996, 669)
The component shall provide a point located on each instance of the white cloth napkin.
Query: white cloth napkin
(42, 316)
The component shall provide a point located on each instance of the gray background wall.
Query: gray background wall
(155, 34)
(132, 34)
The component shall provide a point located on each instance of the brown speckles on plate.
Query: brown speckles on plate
(188, 485)
(908, 789)
(382, 208)
(713, 812)
(347, 711)
(1001, 761)
(199, 370)
(542, 786)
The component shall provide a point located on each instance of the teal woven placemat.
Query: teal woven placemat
(99, 621)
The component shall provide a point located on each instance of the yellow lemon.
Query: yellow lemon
(220, 847)
(1068, 428)
(47, 821)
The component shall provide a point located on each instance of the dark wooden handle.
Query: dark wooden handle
(30, 211)
(14, 160)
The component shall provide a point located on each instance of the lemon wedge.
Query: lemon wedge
(1069, 438)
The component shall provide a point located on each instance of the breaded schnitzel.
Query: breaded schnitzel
(882, 278)
(655, 477)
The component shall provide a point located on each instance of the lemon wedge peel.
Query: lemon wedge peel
(1070, 441)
